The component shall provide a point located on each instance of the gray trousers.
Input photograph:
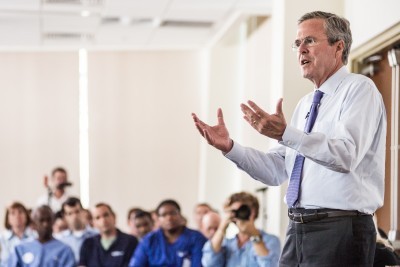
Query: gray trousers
(330, 242)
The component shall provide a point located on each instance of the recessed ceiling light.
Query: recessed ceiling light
(85, 13)
(125, 20)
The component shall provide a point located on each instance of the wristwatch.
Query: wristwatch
(256, 238)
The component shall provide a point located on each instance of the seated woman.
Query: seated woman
(17, 221)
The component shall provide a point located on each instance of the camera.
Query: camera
(242, 213)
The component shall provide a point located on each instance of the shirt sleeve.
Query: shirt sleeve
(268, 168)
(361, 114)
(139, 258)
(211, 258)
(4, 254)
(69, 258)
(272, 259)
(13, 260)
(83, 261)
(196, 251)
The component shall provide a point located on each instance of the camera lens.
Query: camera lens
(243, 212)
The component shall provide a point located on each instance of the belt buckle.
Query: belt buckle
(295, 217)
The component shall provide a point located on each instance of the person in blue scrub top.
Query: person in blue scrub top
(173, 245)
(45, 251)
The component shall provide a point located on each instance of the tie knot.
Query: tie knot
(317, 96)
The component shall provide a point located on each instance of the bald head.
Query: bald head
(210, 223)
(43, 219)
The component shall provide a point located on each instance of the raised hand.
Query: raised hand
(271, 125)
(218, 135)
(46, 181)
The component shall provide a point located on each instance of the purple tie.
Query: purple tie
(293, 191)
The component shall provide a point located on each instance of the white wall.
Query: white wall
(39, 122)
(143, 145)
(369, 18)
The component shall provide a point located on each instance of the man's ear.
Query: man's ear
(340, 46)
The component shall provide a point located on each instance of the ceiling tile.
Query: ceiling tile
(20, 5)
(69, 23)
(123, 36)
(135, 8)
(19, 30)
(179, 37)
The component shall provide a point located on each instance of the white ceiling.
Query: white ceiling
(132, 24)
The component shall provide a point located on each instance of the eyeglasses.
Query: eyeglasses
(307, 41)
(170, 213)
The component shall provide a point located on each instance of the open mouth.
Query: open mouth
(304, 62)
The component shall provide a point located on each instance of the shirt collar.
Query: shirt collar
(330, 86)
(9, 234)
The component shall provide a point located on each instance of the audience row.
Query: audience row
(93, 239)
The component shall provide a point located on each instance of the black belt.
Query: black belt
(309, 215)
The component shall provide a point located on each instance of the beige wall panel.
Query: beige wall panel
(39, 122)
(143, 145)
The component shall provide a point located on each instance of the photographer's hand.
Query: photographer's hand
(248, 228)
(216, 240)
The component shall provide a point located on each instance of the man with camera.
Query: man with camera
(56, 189)
(250, 247)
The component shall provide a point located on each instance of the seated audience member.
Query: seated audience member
(250, 247)
(56, 189)
(45, 251)
(173, 245)
(131, 218)
(87, 218)
(77, 230)
(17, 221)
(59, 224)
(109, 248)
(143, 223)
(384, 252)
(199, 211)
(210, 224)
(154, 216)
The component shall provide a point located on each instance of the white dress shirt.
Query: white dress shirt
(345, 151)
(54, 203)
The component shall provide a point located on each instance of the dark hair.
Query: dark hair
(102, 204)
(337, 28)
(244, 198)
(18, 206)
(71, 202)
(143, 214)
(58, 169)
(168, 202)
(46, 208)
(134, 211)
(59, 215)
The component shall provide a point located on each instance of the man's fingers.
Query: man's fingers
(279, 110)
(207, 137)
(256, 109)
(200, 129)
(220, 116)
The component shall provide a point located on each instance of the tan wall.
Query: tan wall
(369, 18)
(39, 122)
(143, 145)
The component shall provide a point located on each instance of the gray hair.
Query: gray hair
(336, 28)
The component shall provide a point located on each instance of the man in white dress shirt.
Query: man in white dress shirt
(342, 175)
(56, 189)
